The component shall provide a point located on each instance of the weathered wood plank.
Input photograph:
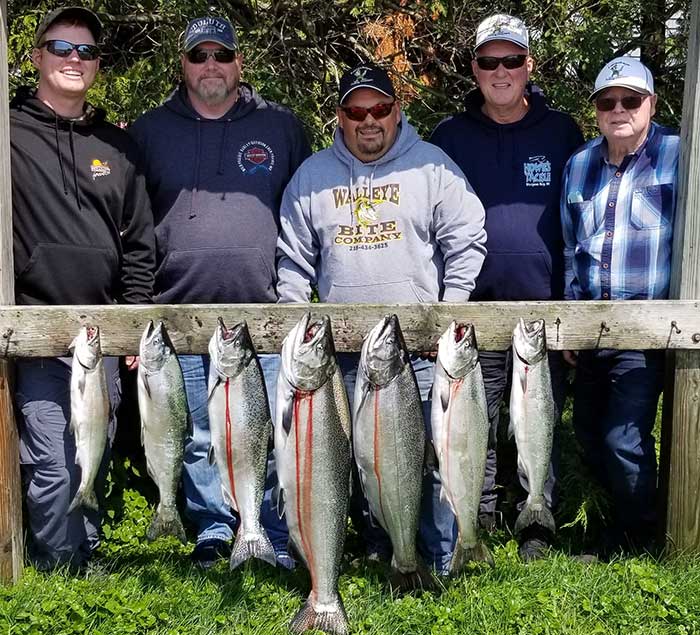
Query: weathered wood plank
(11, 545)
(43, 331)
(683, 515)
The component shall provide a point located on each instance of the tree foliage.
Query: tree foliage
(295, 50)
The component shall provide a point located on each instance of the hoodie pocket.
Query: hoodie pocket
(238, 274)
(68, 274)
(649, 204)
(382, 293)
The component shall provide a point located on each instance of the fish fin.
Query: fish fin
(211, 455)
(462, 555)
(288, 411)
(333, 622)
(167, 522)
(445, 396)
(85, 498)
(405, 581)
(260, 547)
(278, 497)
(146, 387)
(81, 383)
(228, 499)
(211, 389)
(535, 512)
(430, 460)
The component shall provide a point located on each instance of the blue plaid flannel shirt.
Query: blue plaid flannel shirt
(618, 220)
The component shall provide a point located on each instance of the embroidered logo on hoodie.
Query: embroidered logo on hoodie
(99, 168)
(538, 172)
(256, 156)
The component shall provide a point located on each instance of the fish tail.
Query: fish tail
(476, 553)
(535, 512)
(419, 579)
(332, 622)
(167, 523)
(85, 497)
(245, 548)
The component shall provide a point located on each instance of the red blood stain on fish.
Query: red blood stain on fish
(229, 447)
(303, 450)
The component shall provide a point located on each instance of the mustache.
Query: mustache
(370, 129)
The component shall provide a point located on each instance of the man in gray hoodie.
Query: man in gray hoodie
(384, 217)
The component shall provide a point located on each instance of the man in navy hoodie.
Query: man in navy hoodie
(218, 157)
(512, 147)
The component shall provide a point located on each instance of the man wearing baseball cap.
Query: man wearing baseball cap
(382, 216)
(83, 234)
(512, 147)
(617, 207)
(217, 158)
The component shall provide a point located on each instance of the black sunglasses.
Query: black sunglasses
(378, 111)
(199, 56)
(61, 48)
(490, 63)
(629, 102)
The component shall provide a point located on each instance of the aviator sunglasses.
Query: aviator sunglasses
(359, 113)
(62, 48)
(199, 56)
(490, 63)
(629, 102)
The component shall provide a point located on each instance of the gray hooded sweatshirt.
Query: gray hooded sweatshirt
(404, 228)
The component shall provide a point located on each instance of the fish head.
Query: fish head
(232, 349)
(155, 347)
(457, 350)
(529, 341)
(308, 353)
(384, 352)
(86, 347)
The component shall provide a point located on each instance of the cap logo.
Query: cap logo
(208, 25)
(616, 70)
(360, 75)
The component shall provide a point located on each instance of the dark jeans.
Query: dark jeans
(497, 368)
(616, 397)
(50, 475)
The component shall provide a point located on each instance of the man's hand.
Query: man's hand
(570, 357)
(431, 355)
(132, 362)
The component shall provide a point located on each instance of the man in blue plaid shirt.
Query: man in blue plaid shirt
(617, 206)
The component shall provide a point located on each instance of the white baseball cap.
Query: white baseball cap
(627, 72)
(502, 27)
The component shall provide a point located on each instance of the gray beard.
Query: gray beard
(212, 93)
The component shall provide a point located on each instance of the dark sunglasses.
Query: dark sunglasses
(489, 63)
(629, 102)
(378, 111)
(61, 48)
(199, 56)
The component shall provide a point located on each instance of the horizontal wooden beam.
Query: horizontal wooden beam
(38, 331)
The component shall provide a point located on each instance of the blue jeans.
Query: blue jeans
(437, 531)
(204, 503)
(50, 475)
(615, 402)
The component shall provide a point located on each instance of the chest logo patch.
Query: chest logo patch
(538, 171)
(99, 168)
(255, 156)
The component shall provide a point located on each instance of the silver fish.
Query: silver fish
(240, 424)
(312, 449)
(532, 416)
(460, 426)
(389, 443)
(164, 424)
(89, 406)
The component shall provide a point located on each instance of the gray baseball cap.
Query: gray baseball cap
(68, 13)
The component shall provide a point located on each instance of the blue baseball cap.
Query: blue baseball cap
(210, 29)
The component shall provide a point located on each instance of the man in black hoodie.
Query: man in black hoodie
(83, 234)
(512, 147)
(218, 157)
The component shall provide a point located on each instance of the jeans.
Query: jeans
(204, 503)
(50, 475)
(437, 530)
(615, 401)
(497, 368)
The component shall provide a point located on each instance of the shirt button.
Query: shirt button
(611, 204)
(618, 174)
(605, 265)
(608, 234)
(606, 296)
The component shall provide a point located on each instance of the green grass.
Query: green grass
(137, 587)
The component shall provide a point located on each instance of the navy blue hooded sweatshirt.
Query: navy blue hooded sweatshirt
(216, 187)
(515, 170)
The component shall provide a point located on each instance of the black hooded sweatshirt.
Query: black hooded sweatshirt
(82, 222)
(515, 170)
(216, 186)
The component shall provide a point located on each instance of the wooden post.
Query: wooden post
(683, 514)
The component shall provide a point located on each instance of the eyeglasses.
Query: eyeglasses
(378, 111)
(199, 56)
(489, 63)
(629, 102)
(61, 48)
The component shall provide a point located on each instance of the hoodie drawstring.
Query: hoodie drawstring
(222, 149)
(75, 167)
(195, 175)
(60, 158)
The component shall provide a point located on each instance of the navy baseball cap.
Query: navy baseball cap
(365, 76)
(81, 14)
(210, 29)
